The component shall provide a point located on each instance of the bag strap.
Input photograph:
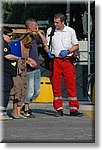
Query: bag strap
(51, 34)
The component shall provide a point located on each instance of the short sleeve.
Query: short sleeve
(6, 49)
(74, 38)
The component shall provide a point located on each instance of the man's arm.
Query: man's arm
(31, 62)
(74, 48)
(46, 48)
(41, 34)
(43, 38)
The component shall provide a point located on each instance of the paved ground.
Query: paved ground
(46, 128)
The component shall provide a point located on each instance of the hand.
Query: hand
(32, 65)
(50, 54)
(64, 53)
(31, 62)
(39, 31)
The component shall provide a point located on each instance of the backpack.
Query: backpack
(74, 58)
(51, 35)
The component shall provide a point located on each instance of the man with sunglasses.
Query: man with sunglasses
(9, 70)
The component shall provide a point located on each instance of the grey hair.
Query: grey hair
(29, 21)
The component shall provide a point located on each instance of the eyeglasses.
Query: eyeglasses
(10, 35)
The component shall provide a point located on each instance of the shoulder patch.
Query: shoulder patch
(5, 49)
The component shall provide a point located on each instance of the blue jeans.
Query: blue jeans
(33, 85)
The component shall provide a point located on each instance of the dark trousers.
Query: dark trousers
(7, 85)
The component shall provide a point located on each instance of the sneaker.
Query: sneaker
(58, 114)
(31, 113)
(76, 114)
(26, 113)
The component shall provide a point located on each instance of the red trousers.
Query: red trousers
(63, 68)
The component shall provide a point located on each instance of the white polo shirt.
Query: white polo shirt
(62, 40)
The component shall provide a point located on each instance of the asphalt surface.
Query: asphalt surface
(46, 128)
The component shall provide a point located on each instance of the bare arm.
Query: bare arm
(46, 48)
(41, 34)
(11, 57)
(44, 40)
(31, 62)
(74, 48)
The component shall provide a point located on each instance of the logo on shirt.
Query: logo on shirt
(5, 49)
(13, 64)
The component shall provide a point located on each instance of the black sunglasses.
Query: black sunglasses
(10, 35)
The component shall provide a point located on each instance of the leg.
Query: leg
(56, 79)
(70, 82)
(15, 110)
(30, 87)
(21, 93)
(37, 76)
(19, 112)
(29, 93)
(17, 91)
(7, 85)
(16, 113)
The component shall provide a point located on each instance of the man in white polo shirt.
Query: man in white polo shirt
(64, 42)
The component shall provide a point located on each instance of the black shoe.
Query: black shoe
(28, 113)
(76, 114)
(31, 113)
(25, 113)
(58, 114)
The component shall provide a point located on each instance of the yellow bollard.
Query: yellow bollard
(46, 94)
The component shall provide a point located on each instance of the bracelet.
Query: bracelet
(17, 58)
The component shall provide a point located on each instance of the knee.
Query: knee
(35, 95)
(29, 96)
